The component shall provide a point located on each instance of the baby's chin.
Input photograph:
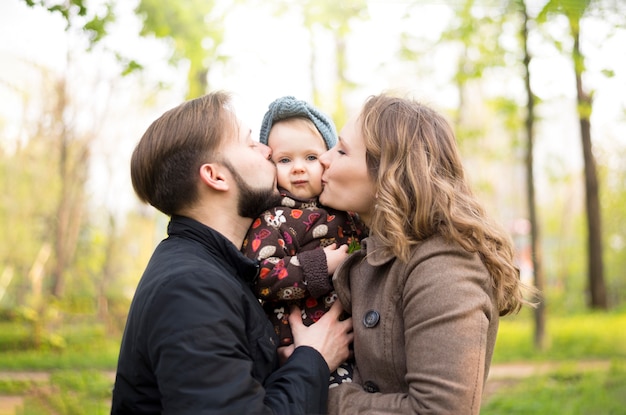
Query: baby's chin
(303, 192)
(304, 195)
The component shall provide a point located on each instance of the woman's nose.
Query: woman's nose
(324, 159)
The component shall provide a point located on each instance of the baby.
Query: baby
(300, 243)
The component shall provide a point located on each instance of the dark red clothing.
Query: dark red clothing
(288, 242)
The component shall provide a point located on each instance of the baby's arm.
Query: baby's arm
(283, 274)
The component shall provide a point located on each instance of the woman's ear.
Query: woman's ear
(213, 175)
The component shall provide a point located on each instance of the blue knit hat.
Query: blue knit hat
(289, 107)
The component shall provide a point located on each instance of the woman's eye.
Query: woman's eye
(340, 151)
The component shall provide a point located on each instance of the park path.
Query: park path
(500, 375)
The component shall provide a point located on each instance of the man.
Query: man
(197, 341)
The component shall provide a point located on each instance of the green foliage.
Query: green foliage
(354, 246)
(76, 13)
(475, 29)
(14, 336)
(195, 31)
(26, 207)
(96, 28)
(93, 22)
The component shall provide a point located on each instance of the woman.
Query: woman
(429, 283)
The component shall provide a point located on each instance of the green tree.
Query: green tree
(92, 22)
(25, 209)
(574, 11)
(529, 124)
(77, 15)
(477, 30)
(335, 17)
(31, 229)
(613, 200)
(195, 30)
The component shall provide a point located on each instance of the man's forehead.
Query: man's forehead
(239, 134)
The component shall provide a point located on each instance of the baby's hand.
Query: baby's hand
(335, 256)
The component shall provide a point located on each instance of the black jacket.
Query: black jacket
(198, 342)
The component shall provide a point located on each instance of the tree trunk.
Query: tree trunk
(535, 241)
(108, 272)
(63, 212)
(343, 84)
(597, 290)
(73, 170)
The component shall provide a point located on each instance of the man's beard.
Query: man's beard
(253, 202)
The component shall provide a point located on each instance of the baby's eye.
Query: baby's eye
(311, 157)
(283, 160)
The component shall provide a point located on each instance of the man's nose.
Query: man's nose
(265, 150)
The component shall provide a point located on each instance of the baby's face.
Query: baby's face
(296, 146)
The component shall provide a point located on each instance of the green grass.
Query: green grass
(590, 336)
(78, 384)
(584, 336)
(71, 393)
(75, 360)
(82, 347)
(565, 392)
(15, 387)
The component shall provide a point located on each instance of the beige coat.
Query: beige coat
(424, 331)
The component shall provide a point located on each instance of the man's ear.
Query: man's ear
(213, 175)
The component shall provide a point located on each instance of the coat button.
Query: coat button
(371, 319)
(370, 387)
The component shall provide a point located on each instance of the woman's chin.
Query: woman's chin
(322, 198)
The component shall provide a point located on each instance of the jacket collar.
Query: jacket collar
(183, 227)
(374, 252)
(370, 251)
(292, 201)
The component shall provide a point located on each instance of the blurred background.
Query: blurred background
(535, 89)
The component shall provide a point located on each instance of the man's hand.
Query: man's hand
(329, 336)
(284, 352)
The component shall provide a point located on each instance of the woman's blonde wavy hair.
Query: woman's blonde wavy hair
(412, 156)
